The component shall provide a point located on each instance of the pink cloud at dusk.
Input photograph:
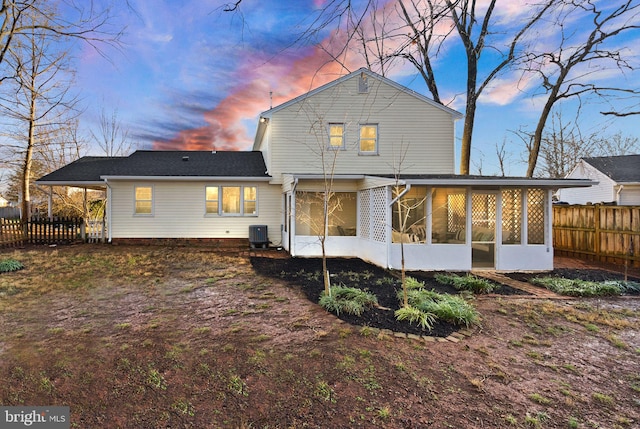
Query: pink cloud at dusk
(286, 76)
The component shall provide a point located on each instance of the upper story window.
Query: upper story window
(336, 136)
(231, 200)
(369, 139)
(143, 200)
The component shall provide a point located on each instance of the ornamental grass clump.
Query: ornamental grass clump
(627, 287)
(348, 300)
(576, 287)
(8, 265)
(469, 282)
(445, 307)
(414, 315)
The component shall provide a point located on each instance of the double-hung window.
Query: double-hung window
(143, 200)
(231, 200)
(369, 139)
(336, 136)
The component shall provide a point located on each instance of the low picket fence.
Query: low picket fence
(57, 230)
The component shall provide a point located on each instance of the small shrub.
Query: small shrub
(576, 287)
(8, 265)
(347, 300)
(450, 308)
(469, 282)
(413, 283)
(413, 315)
(626, 286)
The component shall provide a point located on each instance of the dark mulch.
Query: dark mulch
(305, 273)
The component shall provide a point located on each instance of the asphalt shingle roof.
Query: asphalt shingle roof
(162, 164)
(623, 168)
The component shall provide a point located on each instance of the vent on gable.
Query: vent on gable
(363, 83)
(185, 158)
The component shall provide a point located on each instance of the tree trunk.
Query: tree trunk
(467, 133)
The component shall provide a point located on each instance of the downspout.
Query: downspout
(108, 223)
(292, 216)
(620, 188)
(390, 242)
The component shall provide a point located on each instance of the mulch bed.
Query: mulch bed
(299, 272)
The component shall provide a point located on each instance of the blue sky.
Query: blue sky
(190, 76)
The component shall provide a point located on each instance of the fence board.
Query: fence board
(600, 232)
(11, 233)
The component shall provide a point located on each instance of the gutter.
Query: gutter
(189, 178)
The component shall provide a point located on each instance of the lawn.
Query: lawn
(148, 337)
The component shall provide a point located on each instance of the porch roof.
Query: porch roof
(487, 182)
(491, 181)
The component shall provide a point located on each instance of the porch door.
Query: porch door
(483, 229)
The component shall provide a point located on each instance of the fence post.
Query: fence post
(596, 230)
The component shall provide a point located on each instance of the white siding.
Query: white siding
(630, 195)
(602, 192)
(179, 212)
(407, 126)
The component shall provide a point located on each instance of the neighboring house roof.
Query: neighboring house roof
(621, 169)
(158, 164)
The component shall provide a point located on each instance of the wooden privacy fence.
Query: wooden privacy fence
(63, 230)
(598, 232)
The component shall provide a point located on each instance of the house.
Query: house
(383, 153)
(618, 180)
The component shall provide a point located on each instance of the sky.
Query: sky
(190, 76)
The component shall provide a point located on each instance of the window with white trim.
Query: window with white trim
(231, 200)
(143, 200)
(369, 139)
(336, 136)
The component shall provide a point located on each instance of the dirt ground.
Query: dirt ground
(151, 337)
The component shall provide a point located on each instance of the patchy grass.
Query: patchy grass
(185, 337)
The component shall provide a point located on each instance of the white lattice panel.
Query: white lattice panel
(535, 216)
(379, 214)
(365, 214)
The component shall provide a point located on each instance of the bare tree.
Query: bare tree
(563, 144)
(474, 28)
(567, 71)
(111, 137)
(90, 24)
(409, 214)
(502, 156)
(40, 100)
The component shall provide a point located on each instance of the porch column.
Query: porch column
(50, 203)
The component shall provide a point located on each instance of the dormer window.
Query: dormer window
(336, 136)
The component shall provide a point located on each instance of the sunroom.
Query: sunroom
(435, 222)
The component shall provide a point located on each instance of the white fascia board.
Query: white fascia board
(188, 178)
(328, 176)
(497, 183)
(72, 184)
